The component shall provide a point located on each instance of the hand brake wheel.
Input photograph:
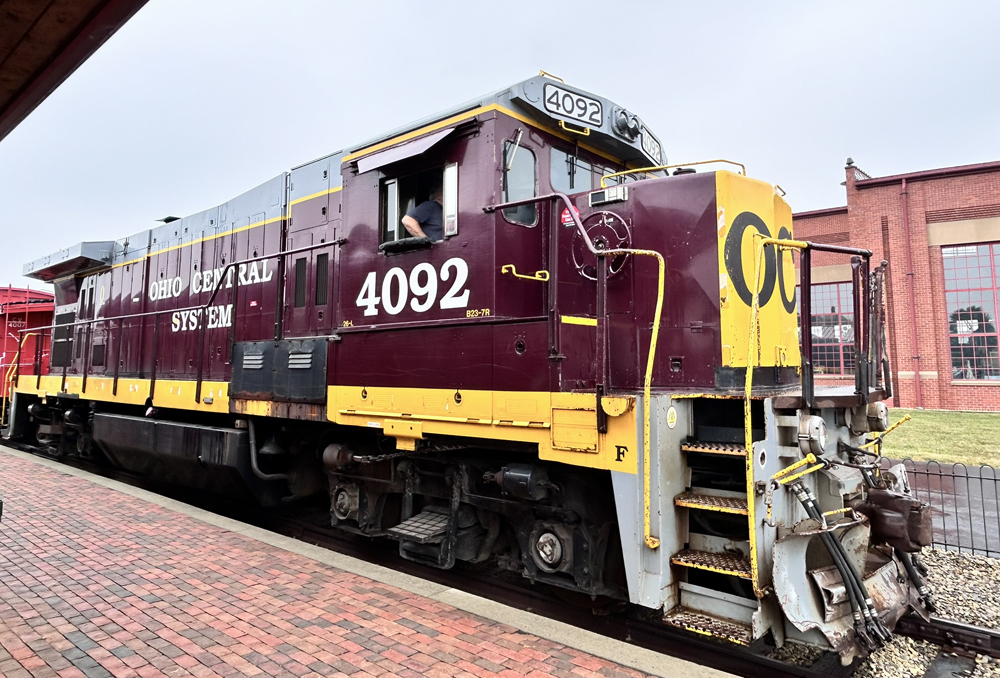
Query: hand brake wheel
(607, 231)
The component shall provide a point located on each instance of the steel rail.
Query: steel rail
(952, 635)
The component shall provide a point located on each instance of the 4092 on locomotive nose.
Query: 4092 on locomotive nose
(509, 332)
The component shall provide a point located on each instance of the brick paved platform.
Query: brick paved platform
(100, 582)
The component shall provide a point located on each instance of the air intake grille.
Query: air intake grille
(300, 361)
(253, 361)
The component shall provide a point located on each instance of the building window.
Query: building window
(970, 283)
(833, 328)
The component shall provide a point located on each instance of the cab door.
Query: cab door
(521, 242)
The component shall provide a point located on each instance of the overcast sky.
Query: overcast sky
(195, 101)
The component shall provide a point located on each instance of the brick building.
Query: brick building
(940, 232)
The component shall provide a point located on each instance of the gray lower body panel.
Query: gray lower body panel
(212, 459)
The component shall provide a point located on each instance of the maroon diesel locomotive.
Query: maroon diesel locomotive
(507, 332)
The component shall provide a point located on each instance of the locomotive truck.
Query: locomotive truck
(593, 378)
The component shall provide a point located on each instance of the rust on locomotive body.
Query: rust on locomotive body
(587, 369)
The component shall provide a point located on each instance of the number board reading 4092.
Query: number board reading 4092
(572, 106)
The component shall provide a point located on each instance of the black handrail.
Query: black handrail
(236, 287)
(860, 283)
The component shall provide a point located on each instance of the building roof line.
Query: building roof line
(925, 175)
(820, 213)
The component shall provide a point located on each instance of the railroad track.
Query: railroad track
(959, 642)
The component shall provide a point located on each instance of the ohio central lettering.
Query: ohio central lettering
(207, 281)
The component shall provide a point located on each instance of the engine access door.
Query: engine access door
(309, 282)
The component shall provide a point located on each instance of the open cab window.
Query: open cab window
(401, 196)
(450, 199)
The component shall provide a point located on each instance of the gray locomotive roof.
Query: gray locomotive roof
(262, 203)
(512, 97)
(523, 97)
(268, 200)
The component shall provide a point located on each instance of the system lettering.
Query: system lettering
(187, 321)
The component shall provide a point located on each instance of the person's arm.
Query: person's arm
(412, 227)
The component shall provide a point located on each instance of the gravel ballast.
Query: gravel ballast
(966, 588)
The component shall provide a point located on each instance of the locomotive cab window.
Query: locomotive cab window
(519, 183)
(569, 173)
(423, 203)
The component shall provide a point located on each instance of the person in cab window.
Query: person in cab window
(425, 219)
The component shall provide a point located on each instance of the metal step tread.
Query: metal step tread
(427, 527)
(729, 449)
(709, 502)
(708, 625)
(723, 563)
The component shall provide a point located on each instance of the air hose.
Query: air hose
(871, 629)
(918, 581)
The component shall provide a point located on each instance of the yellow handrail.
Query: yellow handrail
(754, 329)
(9, 377)
(542, 275)
(809, 459)
(795, 476)
(583, 131)
(651, 541)
(666, 167)
(751, 345)
(886, 432)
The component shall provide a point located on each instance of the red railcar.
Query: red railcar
(22, 309)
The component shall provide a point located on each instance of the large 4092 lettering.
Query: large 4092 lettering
(772, 263)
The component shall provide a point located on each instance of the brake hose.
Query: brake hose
(849, 574)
